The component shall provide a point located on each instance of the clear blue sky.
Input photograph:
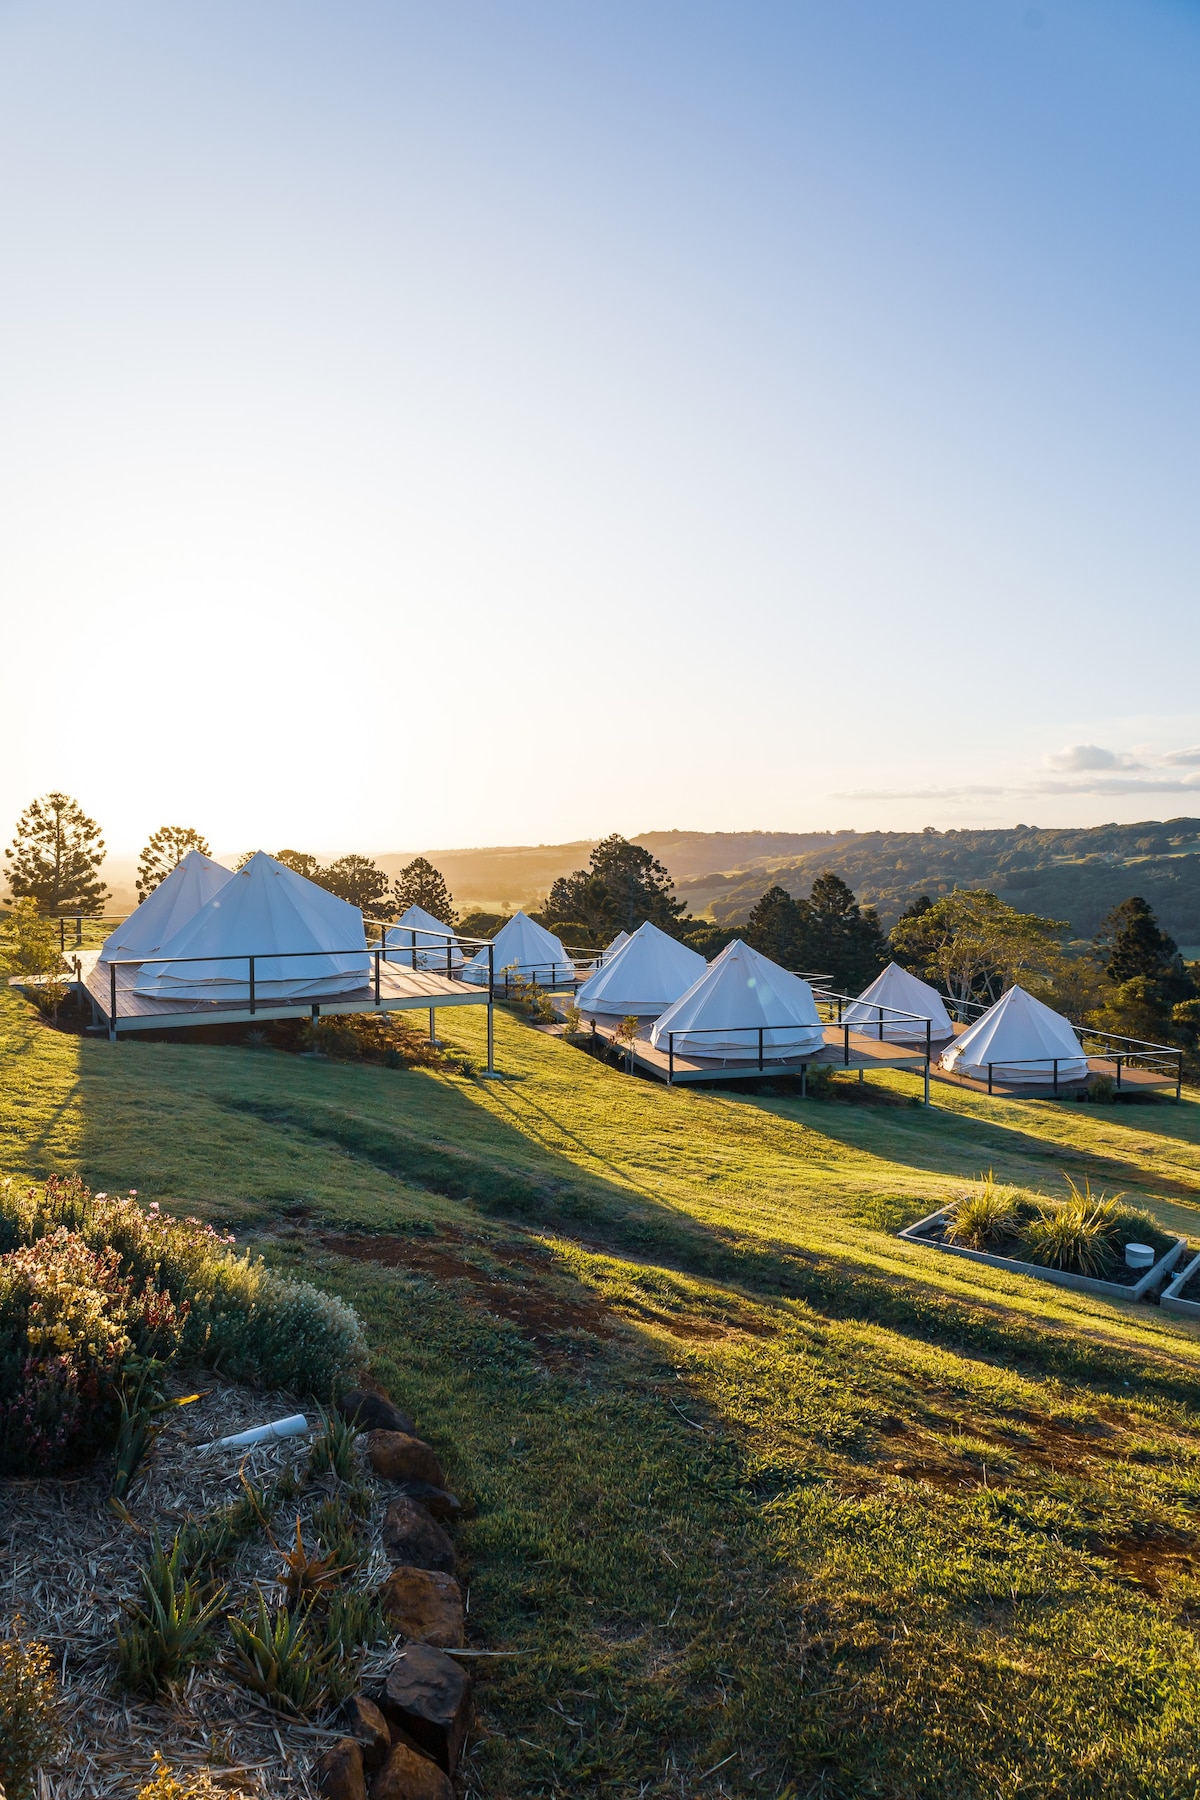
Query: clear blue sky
(485, 423)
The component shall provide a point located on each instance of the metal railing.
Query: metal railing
(1106, 1046)
(373, 957)
(829, 999)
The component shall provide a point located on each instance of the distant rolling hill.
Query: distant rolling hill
(1077, 875)
(1073, 875)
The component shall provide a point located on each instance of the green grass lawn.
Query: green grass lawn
(771, 1501)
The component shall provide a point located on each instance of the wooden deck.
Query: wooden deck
(842, 1050)
(401, 989)
(1132, 1081)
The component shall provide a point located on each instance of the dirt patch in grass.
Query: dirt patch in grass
(538, 1314)
(1150, 1560)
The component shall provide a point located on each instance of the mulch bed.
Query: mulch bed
(68, 1565)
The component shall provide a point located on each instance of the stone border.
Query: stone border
(1084, 1284)
(1172, 1300)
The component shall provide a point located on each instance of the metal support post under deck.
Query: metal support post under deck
(928, 1050)
(491, 1033)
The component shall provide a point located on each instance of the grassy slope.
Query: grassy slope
(758, 1485)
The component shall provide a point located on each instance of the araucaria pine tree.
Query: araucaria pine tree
(420, 884)
(164, 851)
(55, 857)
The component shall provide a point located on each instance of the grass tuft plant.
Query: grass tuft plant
(987, 1218)
(280, 1657)
(171, 1629)
(332, 1450)
(1087, 1233)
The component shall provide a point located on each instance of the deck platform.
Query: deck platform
(843, 1049)
(1132, 1080)
(401, 989)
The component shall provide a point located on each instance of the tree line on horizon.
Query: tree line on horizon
(1130, 978)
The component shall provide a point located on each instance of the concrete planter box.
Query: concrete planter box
(1083, 1284)
(1171, 1301)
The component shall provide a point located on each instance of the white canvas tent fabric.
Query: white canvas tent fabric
(264, 907)
(648, 973)
(177, 899)
(739, 991)
(431, 940)
(524, 949)
(610, 950)
(1017, 1036)
(896, 987)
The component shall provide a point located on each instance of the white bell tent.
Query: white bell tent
(263, 910)
(648, 973)
(1020, 1039)
(609, 951)
(418, 930)
(897, 988)
(526, 951)
(740, 992)
(176, 900)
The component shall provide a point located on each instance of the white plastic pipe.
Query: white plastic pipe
(296, 1426)
(1139, 1256)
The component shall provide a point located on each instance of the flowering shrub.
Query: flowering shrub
(28, 1722)
(95, 1287)
(71, 1325)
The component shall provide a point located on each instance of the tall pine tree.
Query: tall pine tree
(55, 857)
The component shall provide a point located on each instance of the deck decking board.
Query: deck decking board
(401, 989)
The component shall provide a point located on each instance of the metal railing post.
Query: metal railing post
(250, 960)
(62, 936)
(989, 1078)
(491, 1040)
(412, 945)
(1118, 1068)
(760, 1049)
(1056, 1075)
(112, 1003)
(433, 1025)
(378, 960)
(670, 1057)
(846, 1031)
(928, 1055)
(881, 1024)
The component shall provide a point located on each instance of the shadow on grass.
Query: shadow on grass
(506, 1177)
(958, 1144)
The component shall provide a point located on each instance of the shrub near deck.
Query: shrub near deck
(771, 1503)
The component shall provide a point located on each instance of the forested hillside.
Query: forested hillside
(1073, 875)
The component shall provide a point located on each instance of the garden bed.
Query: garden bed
(1125, 1284)
(71, 1568)
(1182, 1295)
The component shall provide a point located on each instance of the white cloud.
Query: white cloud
(1176, 759)
(926, 793)
(1114, 785)
(1091, 756)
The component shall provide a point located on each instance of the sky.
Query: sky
(512, 422)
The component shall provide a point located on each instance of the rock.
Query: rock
(340, 1771)
(371, 1410)
(411, 1536)
(425, 1605)
(407, 1775)
(435, 1500)
(399, 1457)
(429, 1696)
(368, 1725)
